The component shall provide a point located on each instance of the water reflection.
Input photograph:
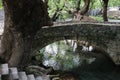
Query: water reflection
(64, 55)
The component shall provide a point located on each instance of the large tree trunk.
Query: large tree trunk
(105, 5)
(23, 18)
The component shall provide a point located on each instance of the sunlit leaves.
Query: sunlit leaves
(0, 4)
(114, 3)
(72, 4)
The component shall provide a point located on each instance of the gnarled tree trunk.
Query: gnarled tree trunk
(86, 7)
(23, 18)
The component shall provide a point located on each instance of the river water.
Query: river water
(64, 56)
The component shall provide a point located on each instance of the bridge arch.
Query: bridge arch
(103, 35)
(102, 58)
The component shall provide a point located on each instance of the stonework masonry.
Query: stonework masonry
(104, 35)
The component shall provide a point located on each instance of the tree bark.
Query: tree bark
(23, 18)
(86, 7)
(78, 5)
(105, 5)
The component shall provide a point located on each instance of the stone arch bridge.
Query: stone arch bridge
(104, 35)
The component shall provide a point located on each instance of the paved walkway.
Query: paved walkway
(112, 20)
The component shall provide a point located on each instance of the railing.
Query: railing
(12, 73)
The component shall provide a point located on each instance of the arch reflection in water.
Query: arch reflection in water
(64, 55)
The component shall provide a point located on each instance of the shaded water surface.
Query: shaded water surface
(82, 64)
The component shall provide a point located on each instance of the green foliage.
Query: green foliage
(71, 4)
(114, 3)
(0, 4)
(65, 5)
(94, 4)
